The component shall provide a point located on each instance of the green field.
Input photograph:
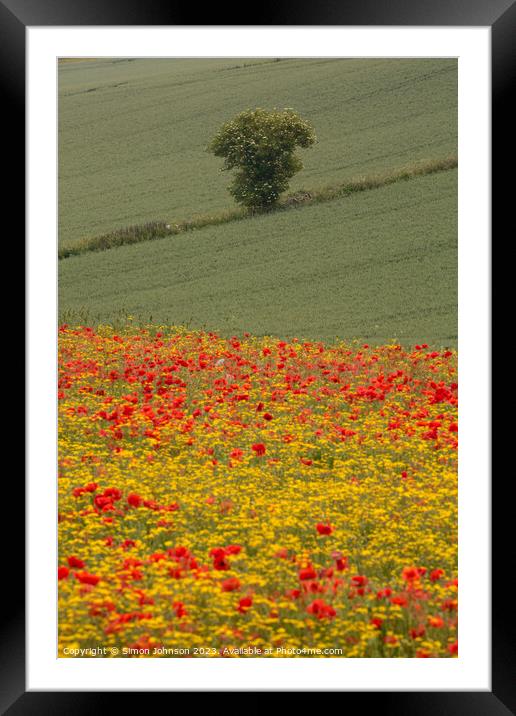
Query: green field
(132, 132)
(377, 265)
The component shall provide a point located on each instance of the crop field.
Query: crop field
(133, 132)
(378, 265)
(255, 497)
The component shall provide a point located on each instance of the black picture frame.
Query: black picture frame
(500, 15)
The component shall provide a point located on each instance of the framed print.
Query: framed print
(258, 265)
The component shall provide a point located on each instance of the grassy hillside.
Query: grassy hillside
(377, 265)
(132, 132)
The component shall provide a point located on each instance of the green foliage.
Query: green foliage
(260, 144)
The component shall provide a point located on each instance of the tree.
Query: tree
(260, 144)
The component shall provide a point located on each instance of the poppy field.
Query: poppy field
(254, 497)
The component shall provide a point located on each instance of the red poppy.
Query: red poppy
(384, 593)
(151, 504)
(321, 609)
(233, 549)
(217, 552)
(418, 631)
(410, 573)
(259, 448)
(341, 562)
(75, 562)
(157, 557)
(134, 500)
(113, 492)
(221, 564)
(179, 609)
(449, 605)
(128, 543)
(87, 578)
(101, 501)
(180, 551)
(323, 529)
(307, 573)
(359, 580)
(244, 604)
(63, 572)
(230, 585)
(400, 600)
(435, 622)
(313, 586)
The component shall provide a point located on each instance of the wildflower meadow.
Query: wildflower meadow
(251, 496)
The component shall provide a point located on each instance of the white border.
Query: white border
(471, 671)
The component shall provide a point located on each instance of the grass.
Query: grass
(159, 229)
(132, 132)
(375, 265)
